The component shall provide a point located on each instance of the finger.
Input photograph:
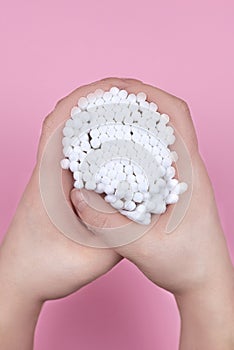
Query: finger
(113, 229)
(62, 108)
(176, 108)
(95, 212)
(61, 112)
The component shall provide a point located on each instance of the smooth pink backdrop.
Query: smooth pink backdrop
(48, 48)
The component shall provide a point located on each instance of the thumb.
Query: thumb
(95, 212)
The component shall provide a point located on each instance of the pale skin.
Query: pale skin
(38, 263)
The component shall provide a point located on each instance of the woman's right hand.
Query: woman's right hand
(193, 261)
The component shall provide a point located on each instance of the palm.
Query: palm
(56, 265)
(193, 246)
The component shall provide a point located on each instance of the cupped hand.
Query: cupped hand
(195, 253)
(35, 258)
(192, 261)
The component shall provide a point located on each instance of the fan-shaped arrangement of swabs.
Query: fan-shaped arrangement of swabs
(117, 144)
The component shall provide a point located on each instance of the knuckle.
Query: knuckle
(47, 124)
(50, 120)
(111, 80)
(58, 103)
(132, 81)
(183, 106)
(107, 80)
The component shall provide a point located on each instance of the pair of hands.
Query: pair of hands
(38, 263)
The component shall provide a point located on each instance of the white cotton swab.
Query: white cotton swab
(118, 144)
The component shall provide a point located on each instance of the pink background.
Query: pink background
(48, 48)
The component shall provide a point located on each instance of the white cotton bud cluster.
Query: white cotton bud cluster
(117, 143)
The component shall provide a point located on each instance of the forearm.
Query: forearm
(207, 318)
(19, 311)
(18, 319)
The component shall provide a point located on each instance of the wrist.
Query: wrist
(207, 317)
